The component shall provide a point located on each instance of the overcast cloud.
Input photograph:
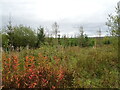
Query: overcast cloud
(91, 14)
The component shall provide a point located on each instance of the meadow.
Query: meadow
(57, 55)
(61, 67)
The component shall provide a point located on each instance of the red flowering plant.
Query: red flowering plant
(40, 75)
(14, 64)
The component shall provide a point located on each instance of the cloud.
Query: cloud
(91, 14)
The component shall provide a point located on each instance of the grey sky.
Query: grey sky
(91, 14)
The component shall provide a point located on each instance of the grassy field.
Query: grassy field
(59, 67)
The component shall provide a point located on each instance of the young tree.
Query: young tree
(81, 31)
(40, 36)
(55, 27)
(10, 32)
(24, 36)
(98, 39)
(114, 27)
(114, 23)
(82, 38)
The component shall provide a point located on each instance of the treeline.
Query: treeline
(17, 37)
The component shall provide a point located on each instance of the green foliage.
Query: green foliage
(106, 40)
(19, 36)
(113, 24)
(40, 36)
(5, 41)
(49, 41)
(83, 40)
(83, 67)
(60, 62)
(114, 42)
(91, 42)
(24, 36)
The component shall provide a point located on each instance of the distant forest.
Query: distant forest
(21, 36)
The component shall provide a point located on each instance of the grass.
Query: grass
(83, 67)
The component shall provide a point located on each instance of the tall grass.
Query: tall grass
(59, 67)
